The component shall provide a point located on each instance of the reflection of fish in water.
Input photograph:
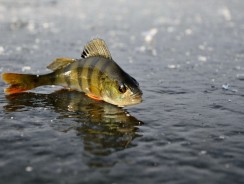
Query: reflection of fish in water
(102, 127)
(96, 74)
(73, 104)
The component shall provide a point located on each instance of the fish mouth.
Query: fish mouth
(137, 94)
(133, 100)
(136, 97)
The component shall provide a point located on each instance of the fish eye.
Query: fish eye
(122, 88)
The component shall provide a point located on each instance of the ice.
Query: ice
(141, 49)
(1, 50)
(170, 29)
(187, 53)
(225, 12)
(240, 76)
(221, 137)
(210, 49)
(203, 152)
(178, 37)
(202, 58)
(227, 87)
(149, 35)
(130, 59)
(173, 66)
(188, 31)
(28, 169)
(198, 19)
(26, 68)
(144, 49)
(237, 68)
(201, 47)
(18, 48)
(154, 52)
(227, 166)
(46, 25)
(31, 27)
(37, 40)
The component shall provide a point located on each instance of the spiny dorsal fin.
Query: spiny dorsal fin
(96, 47)
(60, 63)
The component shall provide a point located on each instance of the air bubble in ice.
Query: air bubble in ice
(173, 66)
(188, 31)
(225, 86)
(225, 12)
(202, 58)
(240, 76)
(203, 152)
(26, 68)
(149, 35)
(28, 169)
(1, 50)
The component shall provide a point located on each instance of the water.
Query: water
(189, 129)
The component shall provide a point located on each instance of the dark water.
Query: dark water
(188, 57)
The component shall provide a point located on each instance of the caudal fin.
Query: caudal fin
(19, 82)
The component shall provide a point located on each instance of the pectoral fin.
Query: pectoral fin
(94, 97)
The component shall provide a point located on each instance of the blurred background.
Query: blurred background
(188, 58)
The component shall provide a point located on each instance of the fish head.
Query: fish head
(122, 92)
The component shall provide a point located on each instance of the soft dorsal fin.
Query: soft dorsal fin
(60, 63)
(96, 47)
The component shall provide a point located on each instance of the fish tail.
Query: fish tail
(21, 82)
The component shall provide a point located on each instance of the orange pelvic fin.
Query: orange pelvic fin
(19, 82)
(94, 97)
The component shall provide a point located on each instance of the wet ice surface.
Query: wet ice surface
(186, 55)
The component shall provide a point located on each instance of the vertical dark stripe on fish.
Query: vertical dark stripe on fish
(49, 79)
(106, 64)
(103, 69)
(84, 73)
(97, 74)
(91, 69)
(79, 78)
(74, 75)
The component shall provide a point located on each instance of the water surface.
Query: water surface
(187, 57)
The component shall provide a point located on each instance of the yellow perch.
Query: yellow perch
(96, 74)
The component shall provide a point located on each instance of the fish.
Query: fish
(96, 74)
